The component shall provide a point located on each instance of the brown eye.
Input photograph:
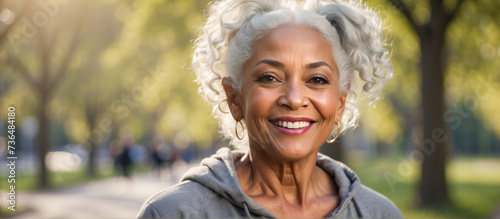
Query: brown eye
(267, 78)
(318, 80)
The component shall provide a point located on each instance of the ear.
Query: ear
(341, 104)
(232, 98)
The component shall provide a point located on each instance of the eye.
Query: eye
(318, 80)
(267, 78)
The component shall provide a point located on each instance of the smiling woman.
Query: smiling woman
(279, 76)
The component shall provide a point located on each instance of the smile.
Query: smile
(292, 125)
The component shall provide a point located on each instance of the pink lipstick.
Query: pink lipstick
(292, 125)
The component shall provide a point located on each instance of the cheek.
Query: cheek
(326, 103)
(258, 103)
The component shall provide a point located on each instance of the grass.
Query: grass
(473, 185)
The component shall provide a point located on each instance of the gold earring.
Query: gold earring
(336, 136)
(218, 105)
(236, 130)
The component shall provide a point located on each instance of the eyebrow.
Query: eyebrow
(281, 65)
(317, 65)
(271, 63)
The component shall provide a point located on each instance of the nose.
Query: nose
(293, 96)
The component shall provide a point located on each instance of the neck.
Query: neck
(291, 181)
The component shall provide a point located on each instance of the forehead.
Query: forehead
(292, 45)
(293, 42)
(293, 36)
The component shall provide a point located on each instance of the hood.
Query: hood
(347, 181)
(218, 174)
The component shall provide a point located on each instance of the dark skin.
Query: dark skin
(291, 78)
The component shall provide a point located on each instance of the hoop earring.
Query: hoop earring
(236, 130)
(218, 105)
(336, 136)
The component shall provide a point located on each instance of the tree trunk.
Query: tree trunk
(43, 141)
(432, 190)
(91, 166)
(93, 140)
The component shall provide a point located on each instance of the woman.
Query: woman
(278, 76)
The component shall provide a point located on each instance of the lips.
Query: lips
(292, 125)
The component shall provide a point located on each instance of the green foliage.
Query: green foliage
(473, 77)
(161, 32)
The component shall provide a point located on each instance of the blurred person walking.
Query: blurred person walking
(124, 160)
(158, 154)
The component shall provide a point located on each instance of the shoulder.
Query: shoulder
(375, 205)
(186, 199)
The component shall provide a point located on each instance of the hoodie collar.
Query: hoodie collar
(219, 174)
(347, 181)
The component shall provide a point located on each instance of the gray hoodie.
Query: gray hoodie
(212, 190)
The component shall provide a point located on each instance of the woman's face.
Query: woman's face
(289, 96)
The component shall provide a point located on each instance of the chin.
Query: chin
(295, 150)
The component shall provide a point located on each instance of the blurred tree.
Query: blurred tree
(91, 89)
(450, 55)
(156, 40)
(433, 188)
(54, 64)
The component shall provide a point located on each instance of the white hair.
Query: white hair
(353, 31)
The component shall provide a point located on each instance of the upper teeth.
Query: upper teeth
(292, 125)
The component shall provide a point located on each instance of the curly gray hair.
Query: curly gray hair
(353, 31)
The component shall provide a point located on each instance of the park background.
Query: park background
(87, 76)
